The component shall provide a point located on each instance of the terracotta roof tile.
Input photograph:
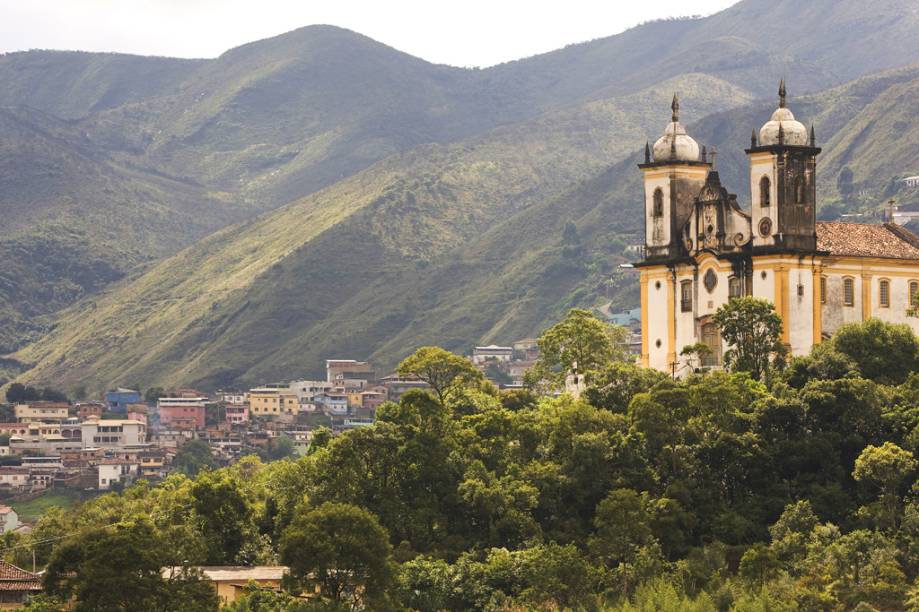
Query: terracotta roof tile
(886, 240)
(11, 573)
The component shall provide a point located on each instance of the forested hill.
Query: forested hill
(158, 152)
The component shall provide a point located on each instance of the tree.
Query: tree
(280, 447)
(579, 340)
(152, 394)
(445, 372)
(752, 330)
(224, 513)
(194, 456)
(884, 352)
(120, 568)
(345, 551)
(885, 466)
(844, 182)
(622, 525)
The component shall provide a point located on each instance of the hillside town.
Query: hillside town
(126, 435)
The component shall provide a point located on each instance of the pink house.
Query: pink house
(182, 412)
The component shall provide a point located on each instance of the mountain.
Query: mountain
(74, 222)
(417, 178)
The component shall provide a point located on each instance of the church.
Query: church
(702, 249)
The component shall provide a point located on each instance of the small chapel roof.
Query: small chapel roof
(886, 240)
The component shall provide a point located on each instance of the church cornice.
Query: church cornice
(782, 148)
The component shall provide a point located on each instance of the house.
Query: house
(236, 414)
(349, 373)
(117, 400)
(113, 471)
(483, 354)
(17, 585)
(42, 412)
(9, 520)
(396, 386)
(182, 412)
(231, 397)
(15, 478)
(306, 390)
(269, 401)
(107, 433)
(230, 581)
(702, 250)
(526, 349)
(88, 409)
(332, 402)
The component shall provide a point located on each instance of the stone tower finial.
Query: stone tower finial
(813, 137)
(753, 139)
(647, 152)
(714, 157)
(675, 106)
(781, 134)
(704, 153)
(782, 93)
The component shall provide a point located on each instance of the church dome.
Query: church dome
(782, 127)
(675, 144)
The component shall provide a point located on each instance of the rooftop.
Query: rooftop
(886, 240)
(225, 573)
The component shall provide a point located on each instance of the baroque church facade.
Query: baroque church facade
(702, 249)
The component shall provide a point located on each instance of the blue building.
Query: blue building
(117, 400)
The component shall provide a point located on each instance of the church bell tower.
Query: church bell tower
(783, 183)
(672, 179)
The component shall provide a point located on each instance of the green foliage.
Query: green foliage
(884, 352)
(445, 372)
(342, 549)
(580, 341)
(194, 456)
(752, 331)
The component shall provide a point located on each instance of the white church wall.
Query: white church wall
(800, 318)
(657, 230)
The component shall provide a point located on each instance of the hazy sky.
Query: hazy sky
(465, 33)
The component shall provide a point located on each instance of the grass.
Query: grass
(32, 510)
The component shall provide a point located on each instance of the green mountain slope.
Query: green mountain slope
(271, 297)
(73, 223)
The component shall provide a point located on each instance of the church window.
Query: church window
(735, 287)
(884, 290)
(686, 296)
(712, 339)
(799, 190)
(710, 280)
(848, 291)
(658, 210)
(764, 191)
(913, 293)
(823, 290)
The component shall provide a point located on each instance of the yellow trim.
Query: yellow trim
(817, 299)
(643, 280)
(780, 301)
(671, 324)
(866, 296)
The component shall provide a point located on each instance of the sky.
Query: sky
(466, 33)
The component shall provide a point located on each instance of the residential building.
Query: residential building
(231, 397)
(114, 471)
(117, 400)
(349, 373)
(15, 478)
(483, 354)
(42, 412)
(88, 409)
(236, 414)
(182, 412)
(268, 401)
(107, 433)
(702, 250)
(9, 520)
(17, 586)
(230, 581)
(306, 390)
(526, 349)
(333, 402)
(396, 386)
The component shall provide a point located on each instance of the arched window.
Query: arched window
(658, 210)
(799, 190)
(848, 291)
(735, 287)
(712, 339)
(884, 293)
(913, 293)
(686, 296)
(764, 191)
